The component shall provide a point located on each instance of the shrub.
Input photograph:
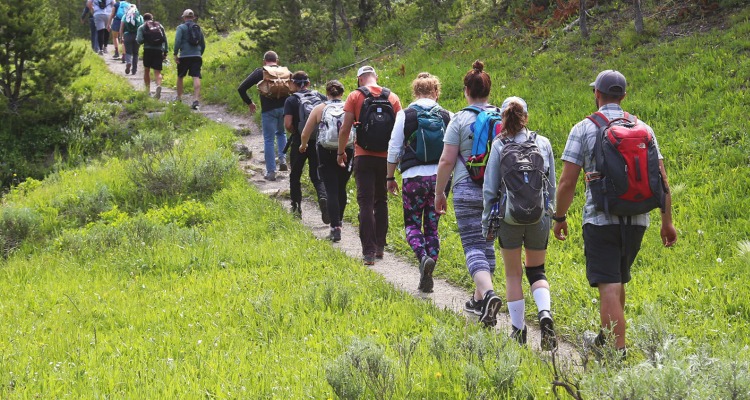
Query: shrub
(81, 207)
(16, 226)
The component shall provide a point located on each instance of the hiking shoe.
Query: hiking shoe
(271, 176)
(473, 306)
(116, 56)
(157, 94)
(546, 326)
(426, 267)
(101, 52)
(335, 235)
(134, 69)
(490, 306)
(593, 343)
(296, 210)
(368, 259)
(123, 60)
(127, 68)
(195, 105)
(379, 253)
(282, 164)
(323, 203)
(519, 335)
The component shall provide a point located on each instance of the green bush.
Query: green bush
(16, 226)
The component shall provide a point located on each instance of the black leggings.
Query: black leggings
(103, 37)
(298, 164)
(335, 179)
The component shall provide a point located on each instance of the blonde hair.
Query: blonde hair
(426, 85)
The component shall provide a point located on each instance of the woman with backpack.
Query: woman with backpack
(467, 194)
(505, 189)
(415, 146)
(325, 120)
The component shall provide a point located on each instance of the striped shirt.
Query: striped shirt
(579, 150)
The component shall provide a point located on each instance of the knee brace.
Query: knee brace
(534, 274)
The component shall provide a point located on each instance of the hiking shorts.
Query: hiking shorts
(153, 58)
(532, 237)
(610, 251)
(101, 21)
(189, 66)
(116, 25)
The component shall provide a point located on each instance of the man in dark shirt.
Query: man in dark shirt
(92, 26)
(272, 117)
(303, 97)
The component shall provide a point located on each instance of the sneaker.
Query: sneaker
(380, 253)
(116, 56)
(296, 210)
(368, 259)
(323, 203)
(490, 307)
(127, 68)
(426, 267)
(593, 343)
(157, 95)
(123, 60)
(101, 52)
(546, 326)
(134, 69)
(335, 235)
(282, 164)
(271, 176)
(473, 306)
(195, 105)
(519, 335)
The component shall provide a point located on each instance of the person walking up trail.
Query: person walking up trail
(416, 145)
(374, 109)
(101, 10)
(325, 120)
(467, 195)
(189, 45)
(129, 33)
(613, 227)
(155, 49)
(272, 99)
(297, 109)
(519, 156)
(92, 26)
(114, 22)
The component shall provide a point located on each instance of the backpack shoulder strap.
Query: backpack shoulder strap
(410, 122)
(473, 109)
(365, 91)
(630, 117)
(599, 119)
(385, 93)
(532, 137)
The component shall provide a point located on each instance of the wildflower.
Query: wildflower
(438, 375)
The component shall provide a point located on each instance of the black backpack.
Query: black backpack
(194, 33)
(307, 101)
(153, 33)
(524, 186)
(376, 119)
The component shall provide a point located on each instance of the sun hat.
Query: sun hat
(610, 82)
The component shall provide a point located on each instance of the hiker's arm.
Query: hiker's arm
(139, 35)
(249, 82)
(312, 121)
(165, 45)
(289, 125)
(668, 231)
(395, 147)
(566, 189)
(344, 138)
(90, 5)
(445, 168)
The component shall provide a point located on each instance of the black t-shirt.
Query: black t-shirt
(291, 107)
(266, 103)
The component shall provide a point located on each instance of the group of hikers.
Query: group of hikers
(129, 30)
(501, 173)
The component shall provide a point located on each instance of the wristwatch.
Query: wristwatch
(560, 219)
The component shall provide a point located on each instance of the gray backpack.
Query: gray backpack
(330, 123)
(524, 187)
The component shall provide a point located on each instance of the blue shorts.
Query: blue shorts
(116, 25)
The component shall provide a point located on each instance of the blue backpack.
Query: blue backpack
(121, 9)
(487, 126)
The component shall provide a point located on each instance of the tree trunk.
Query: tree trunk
(582, 20)
(345, 21)
(638, 17)
(334, 24)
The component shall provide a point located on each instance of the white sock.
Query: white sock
(517, 309)
(542, 299)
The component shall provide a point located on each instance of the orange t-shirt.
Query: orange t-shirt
(354, 105)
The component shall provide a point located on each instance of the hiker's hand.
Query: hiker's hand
(251, 107)
(668, 235)
(393, 187)
(341, 159)
(441, 203)
(176, 60)
(561, 230)
(303, 147)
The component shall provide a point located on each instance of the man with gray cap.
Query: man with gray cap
(190, 44)
(611, 240)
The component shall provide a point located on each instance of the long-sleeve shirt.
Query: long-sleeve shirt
(396, 144)
(266, 103)
(185, 49)
(86, 11)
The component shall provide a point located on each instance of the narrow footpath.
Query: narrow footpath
(401, 272)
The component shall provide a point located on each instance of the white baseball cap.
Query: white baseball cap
(364, 70)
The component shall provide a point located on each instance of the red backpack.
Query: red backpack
(629, 180)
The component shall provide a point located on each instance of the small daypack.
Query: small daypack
(628, 181)
(276, 82)
(153, 33)
(376, 119)
(487, 126)
(194, 33)
(330, 124)
(121, 9)
(426, 142)
(524, 186)
(307, 101)
(132, 19)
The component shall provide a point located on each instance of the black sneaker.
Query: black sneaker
(490, 307)
(519, 335)
(323, 203)
(593, 344)
(380, 253)
(296, 210)
(546, 326)
(473, 306)
(426, 267)
(335, 234)
(282, 164)
(195, 105)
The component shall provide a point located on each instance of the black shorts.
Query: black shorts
(152, 58)
(189, 66)
(610, 251)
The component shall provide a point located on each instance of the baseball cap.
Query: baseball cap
(188, 13)
(364, 70)
(514, 99)
(610, 82)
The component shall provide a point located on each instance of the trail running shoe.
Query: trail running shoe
(380, 253)
(157, 95)
(127, 69)
(473, 306)
(490, 307)
(195, 105)
(546, 326)
(368, 259)
(296, 210)
(426, 267)
(519, 335)
(271, 176)
(282, 164)
(335, 234)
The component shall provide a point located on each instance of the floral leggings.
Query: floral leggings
(420, 218)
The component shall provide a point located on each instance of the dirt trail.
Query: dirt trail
(402, 273)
